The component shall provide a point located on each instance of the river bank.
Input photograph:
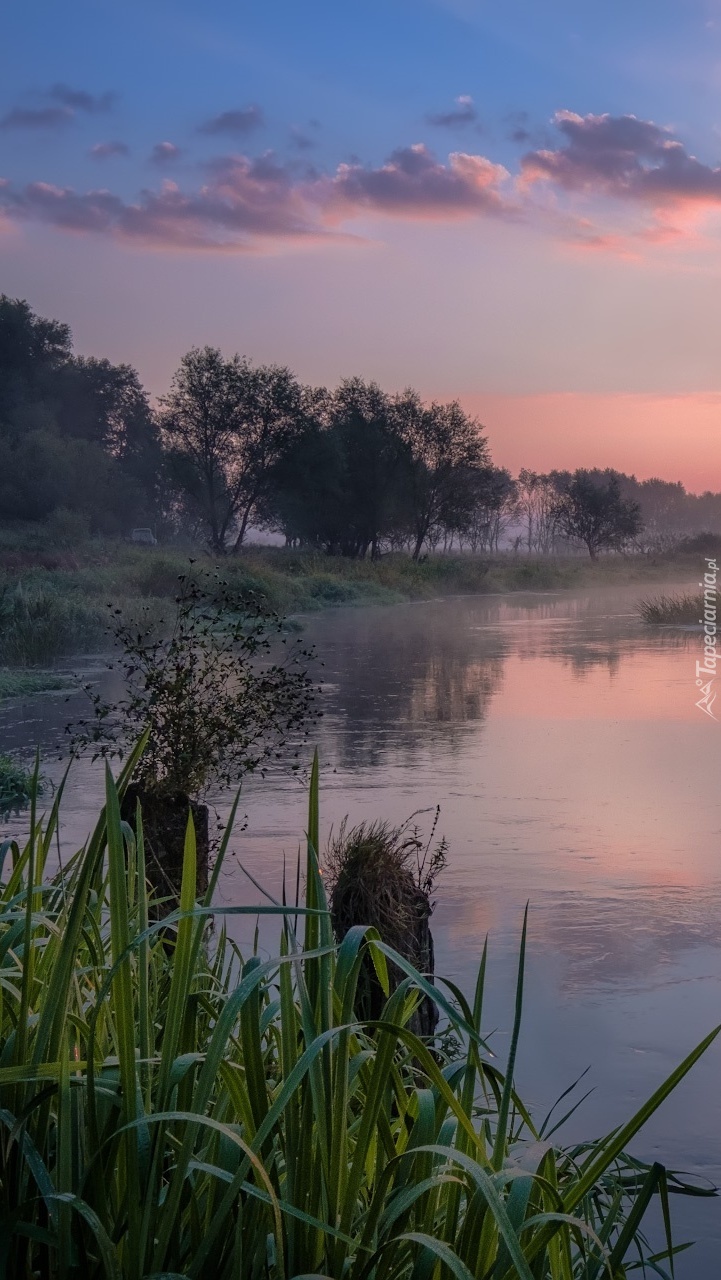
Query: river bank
(54, 599)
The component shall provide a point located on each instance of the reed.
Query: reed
(681, 610)
(38, 624)
(171, 1108)
(24, 683)
(16, 784)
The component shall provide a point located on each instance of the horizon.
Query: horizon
(520, 210)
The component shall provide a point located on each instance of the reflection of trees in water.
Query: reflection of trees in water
(605, 642)
(401, 678)
(454, 691)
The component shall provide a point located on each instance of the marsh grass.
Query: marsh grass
(171, 1108)
(38, 624)
(22, 683)
(682, 610)
(17, 785)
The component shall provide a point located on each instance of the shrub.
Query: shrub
(203, 681)
(171, 1109)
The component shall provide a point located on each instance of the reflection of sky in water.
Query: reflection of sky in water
(561, 740)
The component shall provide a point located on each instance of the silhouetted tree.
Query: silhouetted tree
(272, 412)
(375, 464)
(32, 352)
(493, 508)
(74, 433)
(447, 450)
(593, 511)
(199, 421)
(305, 496)
(106, 405)
(225, 424)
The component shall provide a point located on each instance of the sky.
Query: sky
(513, 203)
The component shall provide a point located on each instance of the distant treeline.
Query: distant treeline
(235, 446)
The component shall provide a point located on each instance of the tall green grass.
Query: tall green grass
(38, 624)
(17, 785)
(172, 1108)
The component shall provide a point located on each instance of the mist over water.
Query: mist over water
(559, 736)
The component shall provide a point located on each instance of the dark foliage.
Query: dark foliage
(216, 700)
(594, 512)
(75, 434)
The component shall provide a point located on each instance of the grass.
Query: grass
(171, 1109)
(38, 622)
(16, 785)
(21, 683)
(53, 602)
(681, 610)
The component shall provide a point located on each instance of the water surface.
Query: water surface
(560, 738)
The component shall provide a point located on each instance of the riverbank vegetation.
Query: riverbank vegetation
(682, 609)
(23, 683)
(172, 1107)
(53, 604)
(17, 785)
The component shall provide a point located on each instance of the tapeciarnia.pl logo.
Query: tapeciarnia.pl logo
(706, 670)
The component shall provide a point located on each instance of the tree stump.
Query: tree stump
(165, 819)
(372, 885)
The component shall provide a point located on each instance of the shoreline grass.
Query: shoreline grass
(172, 1108)
(685, 610)
(21, 683)
(55, 604)
(16, 785)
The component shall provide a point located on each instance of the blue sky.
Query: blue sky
(245, 174)
(369, 74)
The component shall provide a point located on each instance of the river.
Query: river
(561, 739)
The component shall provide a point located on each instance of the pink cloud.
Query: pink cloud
(413, 183)
(245, 204)
(644, 189)
(630, 160)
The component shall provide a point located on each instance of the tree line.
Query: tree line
(235, 446)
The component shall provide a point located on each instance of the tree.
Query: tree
(338, 484)
(273, 405)
(305, 499)
(536, 503)
(74, 433)
(375, 462)
(225, 423)
(32, 352)
(447, 450)
(199, 421)
(593, 511)
(107, 405)
(493, 508)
